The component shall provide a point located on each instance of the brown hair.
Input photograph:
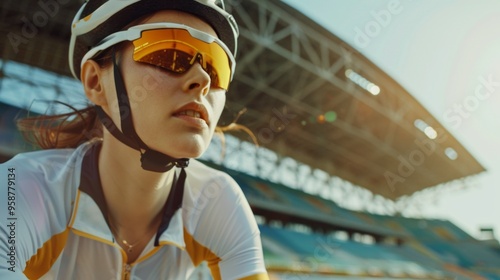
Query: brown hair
(219, 131)
(66, 130)
(71, 129)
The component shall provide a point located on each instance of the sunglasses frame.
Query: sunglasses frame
(135, 32)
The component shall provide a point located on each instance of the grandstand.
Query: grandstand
(310, 97)
(341, 242)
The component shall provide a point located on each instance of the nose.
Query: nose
(196, 80)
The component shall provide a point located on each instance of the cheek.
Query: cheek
(218, 101)
(143, 88)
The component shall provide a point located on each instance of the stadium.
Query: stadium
(331, 127)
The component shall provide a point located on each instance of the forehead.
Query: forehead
(182, 18)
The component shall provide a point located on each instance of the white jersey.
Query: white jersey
(52, 224)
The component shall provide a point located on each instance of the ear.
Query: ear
(92, 80)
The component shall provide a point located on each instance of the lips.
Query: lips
(190, 113)
(193, 110)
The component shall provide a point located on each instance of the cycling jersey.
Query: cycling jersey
(55, 227)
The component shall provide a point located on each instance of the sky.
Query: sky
(446, 54)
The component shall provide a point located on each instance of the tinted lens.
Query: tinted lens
(174, 49)
(171, 59)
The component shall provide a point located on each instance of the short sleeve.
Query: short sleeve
(228, 228)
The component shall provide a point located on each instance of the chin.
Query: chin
(187, 154)
(187, 149)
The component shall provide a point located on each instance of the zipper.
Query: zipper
(126, 271)
(126, 268)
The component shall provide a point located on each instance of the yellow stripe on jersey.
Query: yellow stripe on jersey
(261, 276)
(199, 253)
(46, 256)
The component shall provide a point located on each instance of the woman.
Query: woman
(128, 206)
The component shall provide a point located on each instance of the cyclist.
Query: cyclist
(134, 203)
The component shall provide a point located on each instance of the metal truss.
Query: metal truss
(315, 63)
(303, 68)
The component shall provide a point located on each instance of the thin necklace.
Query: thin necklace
(123, 241)
(130, 246)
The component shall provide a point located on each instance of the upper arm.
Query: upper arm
(13, 227)
(228, 228)
(33, 211)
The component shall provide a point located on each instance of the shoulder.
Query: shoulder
(220, 221)
(47, 167)
(51, 157)
(205, 178)
(197, 167)
(43, 187)
(209, 190)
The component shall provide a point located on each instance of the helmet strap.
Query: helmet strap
(151, 160)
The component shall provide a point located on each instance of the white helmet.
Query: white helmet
(97, 19)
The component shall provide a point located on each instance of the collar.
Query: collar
(90, 211)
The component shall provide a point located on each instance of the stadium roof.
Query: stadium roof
(307, 94)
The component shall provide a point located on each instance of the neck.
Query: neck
(135, 197)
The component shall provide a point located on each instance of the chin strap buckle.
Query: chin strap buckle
(182, 162)
(152, 160)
